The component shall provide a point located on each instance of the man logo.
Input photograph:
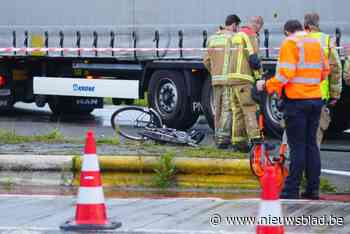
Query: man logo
(93, 101)
(83, 88)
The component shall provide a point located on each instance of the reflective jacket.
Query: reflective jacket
(300, 69)
(243, 46)
(216, 60)
(332, 86)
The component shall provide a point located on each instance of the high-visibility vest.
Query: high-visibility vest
(300, 69)
(325, 41)
(217, 58)
(242, 47)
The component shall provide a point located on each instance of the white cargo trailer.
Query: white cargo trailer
(121, 49)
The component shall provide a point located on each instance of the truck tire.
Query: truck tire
(272, 115)
(207, 102)
(65, 105)
(167, 94)
(340, 118)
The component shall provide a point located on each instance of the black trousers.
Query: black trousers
(302, 119)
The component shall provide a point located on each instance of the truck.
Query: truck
(72, 54)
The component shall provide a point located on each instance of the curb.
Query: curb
(139, 170)
(190, 172)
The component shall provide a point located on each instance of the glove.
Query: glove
(260, 85)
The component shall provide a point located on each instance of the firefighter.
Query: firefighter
(253, 28)
(216, 61)
(300, 69)
(332, 86)
(346, 74)
(244, 71)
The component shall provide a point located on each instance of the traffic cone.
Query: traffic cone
(90, 210)
(270, 219)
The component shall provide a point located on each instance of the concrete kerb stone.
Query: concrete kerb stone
(35, 162)
(139, 170)
(190, 172)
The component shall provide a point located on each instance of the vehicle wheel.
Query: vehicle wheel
(167, 94)
(340, 118)
(272, 115)
(65, 105)
(130, 121)
(207, 102)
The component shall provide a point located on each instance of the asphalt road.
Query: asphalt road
(44, 214)
(27, 119)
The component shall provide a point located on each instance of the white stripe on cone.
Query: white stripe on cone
(90, 163)
(269, 210)
(90, 195)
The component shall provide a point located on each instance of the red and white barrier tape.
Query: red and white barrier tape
(106, 50)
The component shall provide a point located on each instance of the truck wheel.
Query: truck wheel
(167, 94)
(207, 102)
(340, 118)
(64, 105)
(272, 115)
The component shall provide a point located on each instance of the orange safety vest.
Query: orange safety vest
(300, 69)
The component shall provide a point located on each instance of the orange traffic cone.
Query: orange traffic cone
(91, 210)
(270, 219)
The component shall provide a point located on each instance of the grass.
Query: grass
(165, 171)
(11, 137)
(8, 183)
(184, 151)
(211, 152)
(141, 102)
(54, 136)
(108, 140)
(325, 185)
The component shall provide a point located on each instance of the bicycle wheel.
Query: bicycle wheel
(129, 122)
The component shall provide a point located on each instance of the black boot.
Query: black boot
(314, 195)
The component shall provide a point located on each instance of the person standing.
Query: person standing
(300, 70)
(216, 61)
(244, 71)
(332, 86)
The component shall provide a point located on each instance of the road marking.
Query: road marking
(336, 172)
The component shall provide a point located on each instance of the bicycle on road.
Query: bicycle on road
(141, 124)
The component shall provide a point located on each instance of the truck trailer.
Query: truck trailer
(72, 54)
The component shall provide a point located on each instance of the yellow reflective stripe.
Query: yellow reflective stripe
(247, 42)
(217, 40)
(240, 76)
(226, 57)
(239, 59)
(219, 77)
(236, 140)
(233, 114)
